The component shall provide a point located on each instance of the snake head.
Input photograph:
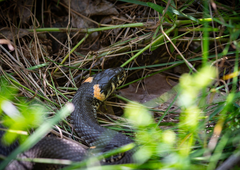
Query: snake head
(106, 82)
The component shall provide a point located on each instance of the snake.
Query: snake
(90, 95)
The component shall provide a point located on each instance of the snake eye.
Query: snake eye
(114, 79)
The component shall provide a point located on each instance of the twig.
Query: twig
(230, 162)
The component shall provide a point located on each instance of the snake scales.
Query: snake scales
(89, 96)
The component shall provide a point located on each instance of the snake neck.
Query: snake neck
(86, 126)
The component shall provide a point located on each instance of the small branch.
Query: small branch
(230, 162)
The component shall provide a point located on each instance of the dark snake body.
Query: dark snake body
(86, 101)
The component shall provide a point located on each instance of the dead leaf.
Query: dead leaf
(24, 10)
(89, 8)
(154, 87)
(8, 34)
(93, 7)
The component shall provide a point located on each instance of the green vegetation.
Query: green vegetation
(203, 36)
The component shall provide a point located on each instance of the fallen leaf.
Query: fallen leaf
(153, 87)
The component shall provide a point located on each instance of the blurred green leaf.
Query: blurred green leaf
(18, 118)
(7, 92)
(138, 114)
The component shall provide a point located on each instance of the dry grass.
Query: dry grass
(51, 75)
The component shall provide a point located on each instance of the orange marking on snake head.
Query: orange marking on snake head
(88, 80)
(97, 93)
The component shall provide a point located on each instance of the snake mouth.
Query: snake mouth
(113, 158)
(121, 78)
(115, 81)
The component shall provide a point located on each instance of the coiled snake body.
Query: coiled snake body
(89, 96)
